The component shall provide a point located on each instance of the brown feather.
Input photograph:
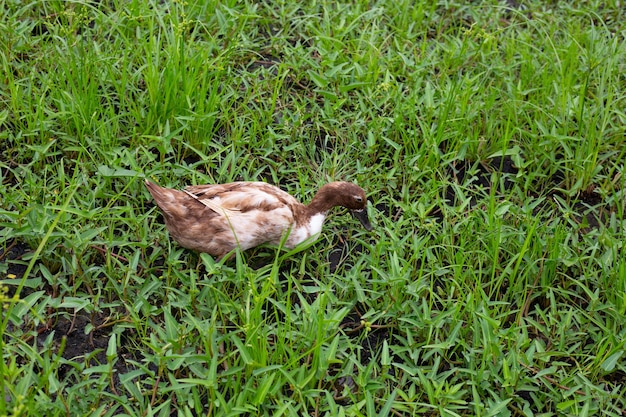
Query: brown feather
(218, 218)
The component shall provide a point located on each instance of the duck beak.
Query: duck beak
(362, 216)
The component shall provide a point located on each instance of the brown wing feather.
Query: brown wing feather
(177, 204)
(218, 218)
(243, 196)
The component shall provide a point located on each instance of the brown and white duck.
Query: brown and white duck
(221, 217)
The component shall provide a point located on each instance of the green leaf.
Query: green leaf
(109, 172)
(384, 412)
(77, 303)
(263, 388)
(112, 347)
(243, 351)
(610, 363)
(385, 357)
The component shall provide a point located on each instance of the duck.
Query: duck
(219, 218)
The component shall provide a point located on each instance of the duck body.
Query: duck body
(219, 218)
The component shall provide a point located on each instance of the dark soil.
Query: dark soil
(69, 334)
(14, 250)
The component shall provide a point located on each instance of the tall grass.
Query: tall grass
(490, 139)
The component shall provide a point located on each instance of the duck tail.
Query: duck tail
(165, 198)
(156, 191)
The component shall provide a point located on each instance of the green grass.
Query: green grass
(490, 141)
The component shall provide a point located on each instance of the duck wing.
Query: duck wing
(241, 197)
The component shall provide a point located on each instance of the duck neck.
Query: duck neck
(321, 203)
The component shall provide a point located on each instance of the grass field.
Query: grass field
(489, 137)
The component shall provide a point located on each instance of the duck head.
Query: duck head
(344, 194)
